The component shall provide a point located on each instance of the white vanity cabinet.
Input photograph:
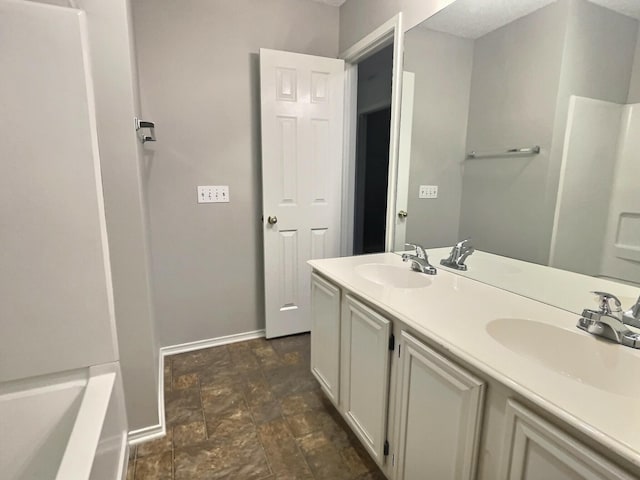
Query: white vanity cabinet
(444, 416)
(439, 410)
(325, 340)
(364, 373)
(534, 449)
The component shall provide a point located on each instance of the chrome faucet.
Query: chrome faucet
(608, 321)
(458, 255)
(419, 261)
(632, 316)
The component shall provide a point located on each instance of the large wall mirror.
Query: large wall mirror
(559, 81)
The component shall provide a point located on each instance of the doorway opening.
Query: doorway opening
(372, 175)
(373, 135)
(382, 46)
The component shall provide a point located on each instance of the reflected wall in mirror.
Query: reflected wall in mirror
(492, 75)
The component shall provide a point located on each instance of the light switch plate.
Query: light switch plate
(428, 191)
(213, 193)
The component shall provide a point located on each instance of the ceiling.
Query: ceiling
(475, 18)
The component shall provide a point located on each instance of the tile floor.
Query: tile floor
(250, 410)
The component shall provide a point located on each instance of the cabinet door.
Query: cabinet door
(325, 336)
(365, 374)
(536, 450)
(440, 414)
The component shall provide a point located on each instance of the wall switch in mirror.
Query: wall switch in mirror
(428, 191)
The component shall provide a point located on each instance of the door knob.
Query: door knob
(272, 220)
(402, 214)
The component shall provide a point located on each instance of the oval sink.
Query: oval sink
(392, 275)
(589, 360)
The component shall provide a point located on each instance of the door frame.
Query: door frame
(389, 32)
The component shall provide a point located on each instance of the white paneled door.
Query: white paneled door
(404, 159)
(301, 116)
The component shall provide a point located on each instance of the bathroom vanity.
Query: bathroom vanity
(446, 377)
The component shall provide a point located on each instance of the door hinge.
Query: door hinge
(392, 342)
(385, 451)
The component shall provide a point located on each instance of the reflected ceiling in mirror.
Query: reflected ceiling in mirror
(491, 76)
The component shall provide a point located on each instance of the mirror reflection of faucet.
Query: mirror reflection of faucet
(458, 255)
(611, 322)
(419, 261)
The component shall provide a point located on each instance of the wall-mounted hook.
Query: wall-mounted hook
(141, 124)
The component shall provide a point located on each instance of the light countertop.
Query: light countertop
(457, 313)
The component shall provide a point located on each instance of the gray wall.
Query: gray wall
(634, 87)
(360, 17)
(198, 70)
(442, 65)
(516, 75)
(124, 195)
(523, 76)
(374, 81)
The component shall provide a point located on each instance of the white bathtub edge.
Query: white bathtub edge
(83, 442)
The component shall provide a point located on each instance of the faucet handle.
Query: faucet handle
(464, 243)
(420, 251)
(605, 306)
(635, 309)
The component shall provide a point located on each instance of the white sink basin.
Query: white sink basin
(392, 275)
(585, 359)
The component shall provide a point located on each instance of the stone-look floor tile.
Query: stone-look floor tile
(226, 375)
(374, 475)
(167, 376)
(257, 343)
(302, 402)
(239, 459)
(265, 412)
(292, 358)
(189, 434)
(183, 406)
(218, 400)
(198, 360)
(354, 461)
(267, 357)
(257, 390)
(292, 343)
(282, 451)
(263, 405)
(188, 380)
(230, 426)
(313, 441)
(251, 410)
(156, 467)
(157, 446)
(327, 464)
(244, 361)
(289, 380)
(337, 432)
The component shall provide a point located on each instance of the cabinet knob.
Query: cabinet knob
(402, 214)
(272, 220)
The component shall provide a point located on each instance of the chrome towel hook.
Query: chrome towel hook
(141, 124)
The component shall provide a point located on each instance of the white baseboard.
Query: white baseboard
(211, 342)
(149, 433)
(157, 431)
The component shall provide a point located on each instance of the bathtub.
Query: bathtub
(69, 426)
